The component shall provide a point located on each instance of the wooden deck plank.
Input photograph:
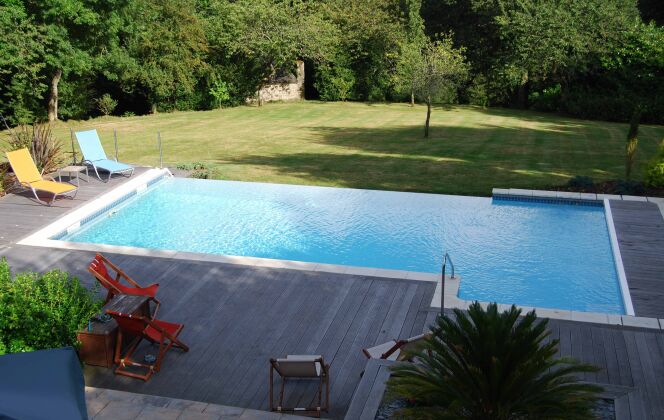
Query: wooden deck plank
(363, 336)
(409, 320)
(599, 356)
(293, 342)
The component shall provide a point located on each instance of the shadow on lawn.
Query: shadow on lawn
(455, 160)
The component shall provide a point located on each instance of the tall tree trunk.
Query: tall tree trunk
(53, 96)
(522, 95)
(426, 125)
(632, 142)
(154, 108)
(412, 93)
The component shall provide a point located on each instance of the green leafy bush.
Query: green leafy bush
(193, 166)
(655, 171)
(200, 170)
(486, 364)
(655, 175)
(335, 83)
(42, 311)
(106, 104)
(220, 91)
(547, 100)
(477, 92)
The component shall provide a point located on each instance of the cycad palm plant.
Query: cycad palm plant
(486, 364)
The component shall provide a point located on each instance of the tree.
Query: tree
(252, 40)
(515, 44)
(635, 70)
(161, 52)
(371, 36)
(489, 365)
(21, 65)
(632, 143)
(542, 39)
(410, 48)
(68, 28)
(439, 71)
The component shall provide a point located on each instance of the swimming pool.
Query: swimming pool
(523, 252)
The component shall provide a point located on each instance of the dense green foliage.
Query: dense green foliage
(485, 364)
(589, 58)
(655, 171)
(42, 311)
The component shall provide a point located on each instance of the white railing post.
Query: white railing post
(161, 154)
(115, 141)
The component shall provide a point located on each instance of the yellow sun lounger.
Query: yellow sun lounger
(29, 177)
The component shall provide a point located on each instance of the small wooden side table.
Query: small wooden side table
(76, 170)
(98, 342)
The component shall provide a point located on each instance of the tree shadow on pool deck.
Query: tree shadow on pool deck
(455, 160)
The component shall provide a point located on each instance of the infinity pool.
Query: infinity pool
(523, 252)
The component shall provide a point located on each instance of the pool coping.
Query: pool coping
(139, 184)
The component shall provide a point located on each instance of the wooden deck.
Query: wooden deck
(640, 232)
(21, 215)
(238, 317)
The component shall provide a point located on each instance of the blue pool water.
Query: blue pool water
(528, 253)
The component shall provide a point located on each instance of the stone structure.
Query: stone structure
(283, 87)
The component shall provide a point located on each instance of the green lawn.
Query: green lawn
(379, 146)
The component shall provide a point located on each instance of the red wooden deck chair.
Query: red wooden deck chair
(98, 268)
(139, 328)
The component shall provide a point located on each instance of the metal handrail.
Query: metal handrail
(446, 258)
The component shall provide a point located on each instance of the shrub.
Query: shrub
(46, 150)
(106, 104)
(477, 92)
(628, 187)
(485, 364)
(42, 311)
(200, 174)
(6, 182)
(335, 83)
(583, 183)
(655, 171)
(220, 91)
(193, 166)
(198, 170)
(548, 100)
(129, 114)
